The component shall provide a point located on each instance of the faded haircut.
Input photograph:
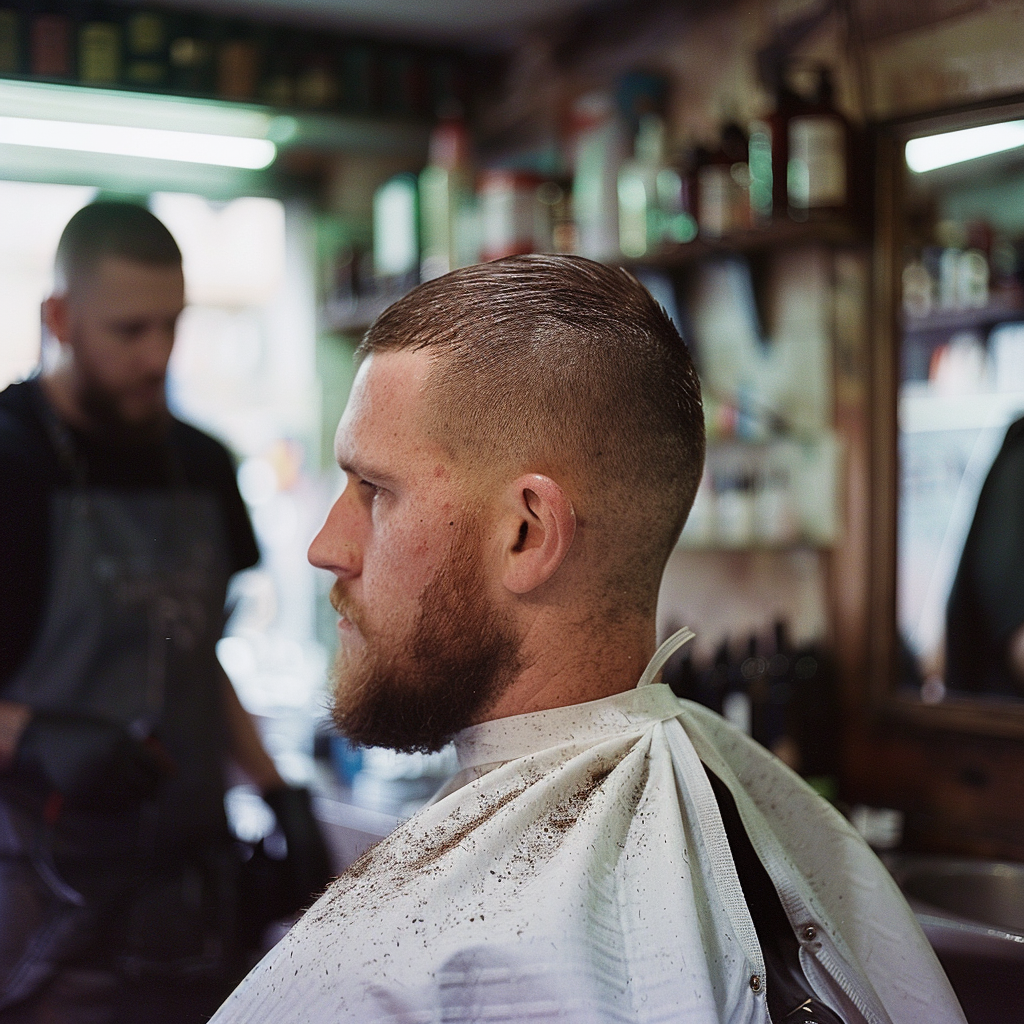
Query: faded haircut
(111, 228)
(560, 365)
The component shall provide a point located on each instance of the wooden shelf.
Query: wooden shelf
(947, 320)
(777, 235)
(355, 316)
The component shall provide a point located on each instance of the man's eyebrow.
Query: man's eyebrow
(364, 471)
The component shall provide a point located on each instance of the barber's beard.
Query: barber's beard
(415, 691)
(105, 412)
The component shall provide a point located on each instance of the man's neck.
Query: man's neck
(572, 666)
(59, 390)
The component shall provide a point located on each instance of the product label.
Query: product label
(817, 162)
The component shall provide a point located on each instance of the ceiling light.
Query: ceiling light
(125, 124)
(934, 151)
(125, 140)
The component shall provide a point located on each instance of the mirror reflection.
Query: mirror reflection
(960, 558)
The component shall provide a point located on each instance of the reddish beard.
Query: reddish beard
(414, 692)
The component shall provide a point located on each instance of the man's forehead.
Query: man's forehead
(131, 282)
(386, 408)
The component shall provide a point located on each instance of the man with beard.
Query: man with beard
(119, 529)
(521, 447)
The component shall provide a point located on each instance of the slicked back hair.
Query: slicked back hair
(563, 366)
(111, 228)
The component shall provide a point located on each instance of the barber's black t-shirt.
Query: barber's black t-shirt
(31, 470)
(986, 604)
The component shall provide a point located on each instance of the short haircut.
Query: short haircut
(561, 365)
(111, 228)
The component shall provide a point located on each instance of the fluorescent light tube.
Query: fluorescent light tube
(934, 151)
(152, 143)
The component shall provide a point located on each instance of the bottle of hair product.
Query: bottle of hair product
(395, 231)
(774, 130)
(761, 171)
(145, 45)
(737, 707)
(238, 65)
(10, 41)
(723, 186)
(819, 150)
(598, 149)
(649, 192)
(316, 83)
(507, 202)
(447, 209)
(99, 49)
(190, 57)
(277, 87)
(51, 50)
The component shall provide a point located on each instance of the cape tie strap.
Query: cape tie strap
(663, 653)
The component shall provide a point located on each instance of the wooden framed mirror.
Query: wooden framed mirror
(946, 647)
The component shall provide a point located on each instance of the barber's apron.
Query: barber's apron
(133, 613)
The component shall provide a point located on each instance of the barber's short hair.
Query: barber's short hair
(112, 228)
(561, 365)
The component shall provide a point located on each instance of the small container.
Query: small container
(10, 41)
(99, 52)
(238, 68)
(776, 519)
(145, 44)
(190, 58)
(508, 213)
(819, 153)
(734, 511)
(316, 83)
(277, 87)
(50, 46)
(395, 228)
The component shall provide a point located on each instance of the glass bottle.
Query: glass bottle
(819, 138)
(99, 49)
(238, 65)
(190, 57)
(447, 210)
(10, 41)
(145, 44)
(51, 51)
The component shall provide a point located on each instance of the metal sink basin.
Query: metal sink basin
(985, 892)
(972, 912)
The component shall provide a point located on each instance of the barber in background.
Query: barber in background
(119, 529)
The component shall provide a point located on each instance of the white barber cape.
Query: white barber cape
(578, 870)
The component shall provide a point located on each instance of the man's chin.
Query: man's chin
(141, 414)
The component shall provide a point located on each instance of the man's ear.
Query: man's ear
(55, 316)
(542, 525)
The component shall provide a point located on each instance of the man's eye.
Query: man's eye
(372, 488)
(130, 332)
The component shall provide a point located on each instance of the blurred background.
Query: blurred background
(856, 312)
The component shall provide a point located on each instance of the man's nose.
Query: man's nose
(156, 351)
(337, 547)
